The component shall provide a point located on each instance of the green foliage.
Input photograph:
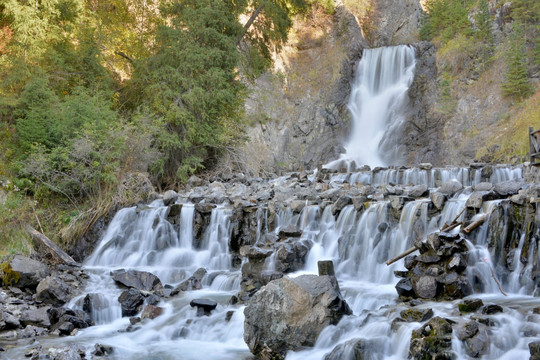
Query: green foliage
(516, 83)
(483, 22)
(191, 83)
(445, 19)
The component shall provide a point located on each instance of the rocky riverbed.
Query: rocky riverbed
(250, 239)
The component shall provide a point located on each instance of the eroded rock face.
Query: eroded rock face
(290, 313)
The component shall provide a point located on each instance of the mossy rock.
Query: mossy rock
(470, 305)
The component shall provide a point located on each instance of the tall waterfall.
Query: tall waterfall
(377, 104)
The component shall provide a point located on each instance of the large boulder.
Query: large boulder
(140, 280)
(290, 313)
(53, 290)
(31, 271)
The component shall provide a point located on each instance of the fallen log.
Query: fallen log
(47, 248)
(448, 227)
(476, 223)
(402, 255)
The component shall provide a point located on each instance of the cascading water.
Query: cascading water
(377, 104)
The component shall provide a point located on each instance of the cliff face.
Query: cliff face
(299, 111)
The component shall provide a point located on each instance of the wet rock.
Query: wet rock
(510, 187)
(432, 341)
(492, 309)
(474, 337)
(483, 186)
(103, 350)
(173, 213)
(404, 288)
(289, 231)
(534, 349)
(131, 301)
(418, 191)
(326, 267)
(54, 291)
(470, 305)
(416, 315)
(204, 306)
(204, 208)
(66, 320)
(290, 256)
(31, 331)
(31, 271)
(290, 313)
(340, 203)
(355, 349)
(140, 280)
(169, 197)
(426, 287)
(94, 302)
(194, 282)
(151, 312)
(397, 202)
(457, 263)
(451, 187)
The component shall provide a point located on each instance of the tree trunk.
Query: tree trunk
(250, 22)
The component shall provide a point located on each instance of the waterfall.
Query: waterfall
(377, 104)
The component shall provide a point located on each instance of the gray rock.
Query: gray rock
(483, 186)
(340, 203)
(404, 288)
(432, 341)
(451, 187)
(195, 181)
(140, 280)
(356, 349)
(151, 312)
(426, 287)
(289, 231)
(131, 301)
(510, 187)
(31, 271)
(170, 197)
(36, 317)
(290, 313)
(438, 199)
(10, 321)
(204, 306)
(416, 315)
(418, 191)
(54, 291)
(103, 350)
(467, 330)
(458, 263)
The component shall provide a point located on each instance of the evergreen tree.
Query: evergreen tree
(192, 84)
(483, 22)
(516, 83)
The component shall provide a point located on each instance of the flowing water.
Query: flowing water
(377, 104)
(359, 242)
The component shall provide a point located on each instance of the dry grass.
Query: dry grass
(510, 140)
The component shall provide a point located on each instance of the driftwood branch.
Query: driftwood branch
(402, 255)
(446, 227)
(476, 223)
(51, 248)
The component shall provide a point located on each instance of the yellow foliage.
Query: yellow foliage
(8, 276)
(511, 137)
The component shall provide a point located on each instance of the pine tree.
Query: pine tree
(516, 83)
(483, 22)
